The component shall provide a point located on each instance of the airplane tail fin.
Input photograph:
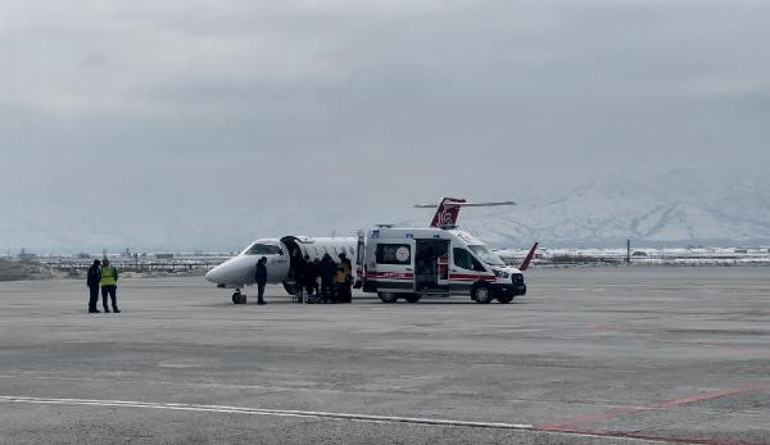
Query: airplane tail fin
(449, 208)
(525, 264)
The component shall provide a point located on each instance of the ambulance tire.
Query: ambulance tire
(388, 297)
(412, 298)
(481, 293)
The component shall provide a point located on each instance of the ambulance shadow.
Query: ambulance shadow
(457, 302)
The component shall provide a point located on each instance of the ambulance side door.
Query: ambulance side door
(465, 270)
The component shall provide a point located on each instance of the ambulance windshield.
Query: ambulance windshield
(486, 255)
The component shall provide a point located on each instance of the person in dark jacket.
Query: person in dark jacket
(326, 269)
(261, 278)
(317, 278)
(310, 276)
(94, 276)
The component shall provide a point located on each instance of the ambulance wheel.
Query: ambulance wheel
(481, 293)
(412, 298)
(237, 297)
(388, 297)
(505, 299)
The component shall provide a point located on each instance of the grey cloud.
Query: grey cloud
(209, 107)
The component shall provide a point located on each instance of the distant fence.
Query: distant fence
(552, 258)
(562, 259)
(137, 264)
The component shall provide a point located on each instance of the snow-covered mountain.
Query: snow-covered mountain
(678, 208)
(683, 207)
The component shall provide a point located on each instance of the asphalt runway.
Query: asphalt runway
(592, 355)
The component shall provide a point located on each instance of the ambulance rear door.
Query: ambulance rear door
(394, 266)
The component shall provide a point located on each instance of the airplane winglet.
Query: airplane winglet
(525, 264)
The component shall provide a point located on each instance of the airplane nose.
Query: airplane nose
(213, 275)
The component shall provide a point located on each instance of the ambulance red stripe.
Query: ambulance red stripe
(462, 277)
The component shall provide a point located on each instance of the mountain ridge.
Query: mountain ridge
(677, 208)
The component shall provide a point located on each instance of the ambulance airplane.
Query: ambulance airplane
(285, 256)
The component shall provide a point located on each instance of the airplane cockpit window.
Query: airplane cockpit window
(486, 255)
(264, 249)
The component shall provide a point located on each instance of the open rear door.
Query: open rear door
(360, 261)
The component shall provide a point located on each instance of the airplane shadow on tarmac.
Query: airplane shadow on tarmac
(284, 301)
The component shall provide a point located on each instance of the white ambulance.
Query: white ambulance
(410, 263)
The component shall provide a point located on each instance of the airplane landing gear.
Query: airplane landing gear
(238, 297)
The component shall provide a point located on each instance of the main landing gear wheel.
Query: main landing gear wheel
(388, 297)
(237, 296)
(412, 298)
(482, 294)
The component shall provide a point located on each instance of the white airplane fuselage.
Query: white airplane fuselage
(284, 257)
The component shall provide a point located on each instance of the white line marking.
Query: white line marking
(265, 412)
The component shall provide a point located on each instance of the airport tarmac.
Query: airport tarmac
(591, 355)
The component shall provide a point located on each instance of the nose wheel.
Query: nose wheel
(238, 297)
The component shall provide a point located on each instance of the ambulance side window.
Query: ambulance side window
(394, 254)
(464, 260)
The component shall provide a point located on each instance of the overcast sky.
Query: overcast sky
(139, 109)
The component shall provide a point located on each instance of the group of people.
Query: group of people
(105, 277)
(325, 280)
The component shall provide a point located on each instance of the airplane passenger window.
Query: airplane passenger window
(264, 249)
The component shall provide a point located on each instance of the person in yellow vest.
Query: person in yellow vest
(109, 285)
(340, 278)
(347, 267)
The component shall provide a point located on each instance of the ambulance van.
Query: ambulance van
(410, 263)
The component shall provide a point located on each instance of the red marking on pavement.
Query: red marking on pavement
(668, 339)
(683, 439)
(572, 424)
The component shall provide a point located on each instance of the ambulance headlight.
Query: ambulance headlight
(501, 274)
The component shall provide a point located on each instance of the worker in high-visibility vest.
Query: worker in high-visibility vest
(109, 285)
